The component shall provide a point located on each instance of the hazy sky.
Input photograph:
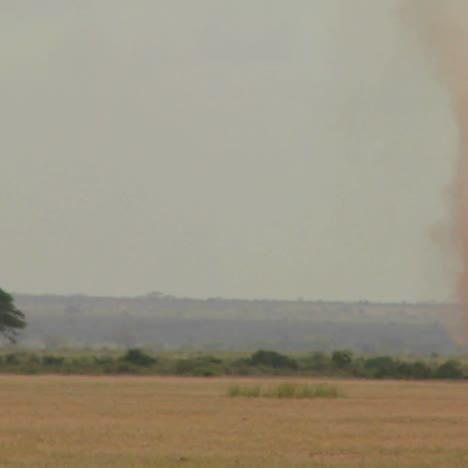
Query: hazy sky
(248, 148)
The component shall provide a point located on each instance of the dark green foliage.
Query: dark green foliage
(315, 363)
(103, 360)
(342, 359)
(124, 368)
(241, 366)
(263, 362)
(272, 359)
(53, 360)
(202, 366)
(139, 358)
(414, 370)
(11, 358)
(382, 366)
(319, 361)
(450, 369)
(11, 319)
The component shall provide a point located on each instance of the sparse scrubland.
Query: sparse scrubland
(76, 407)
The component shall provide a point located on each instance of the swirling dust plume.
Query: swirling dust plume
(442, 27)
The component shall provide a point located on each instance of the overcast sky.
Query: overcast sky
(248, 148)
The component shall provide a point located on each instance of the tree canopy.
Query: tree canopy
(11, 319)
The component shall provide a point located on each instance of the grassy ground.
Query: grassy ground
(129, 422)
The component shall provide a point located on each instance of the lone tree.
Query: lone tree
(11, 319)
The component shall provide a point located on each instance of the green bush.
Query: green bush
(102, 360)
(414, 370)
(53, 360)
(450, 369)
(272, 359)
(11, 358)
(241, 366)
(137, 357)
(342, 359)
(207, 371)
(124, 368)
(317, 362)
(381, 367)
(201, 366)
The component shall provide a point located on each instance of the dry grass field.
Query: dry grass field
(58, 421)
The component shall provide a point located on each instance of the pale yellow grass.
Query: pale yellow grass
(174, 422)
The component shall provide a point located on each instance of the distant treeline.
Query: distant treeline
(340, 363)
(164, 323)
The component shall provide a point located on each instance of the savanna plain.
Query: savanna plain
(78, 421)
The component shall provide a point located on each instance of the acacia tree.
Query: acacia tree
(11, 319)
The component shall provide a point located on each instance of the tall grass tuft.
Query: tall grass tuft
(326, 390)
(282, 390)
(287, 390)
(244, 391)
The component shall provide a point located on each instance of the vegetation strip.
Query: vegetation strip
(286, 390)
(340, 363)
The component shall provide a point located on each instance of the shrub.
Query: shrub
(207, 371)
(139, 358)
(317, 361)
(102, 360)
(124, 368)
(11, 358)
(30, 368)
(202, 366)
(414, 370)
(342, 359)
(241, 366)
(272, 359)
(381, 367)
(52, 360)
(450, 369)
(358, 368)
